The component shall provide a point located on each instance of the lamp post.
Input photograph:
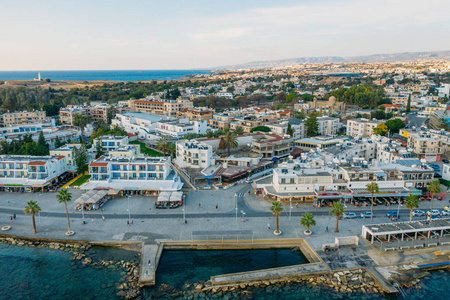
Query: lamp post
(236, 206)
(184, 216)
(82, 212)
(39, 213)
(129, 213)
(398, 209)
(290, 206)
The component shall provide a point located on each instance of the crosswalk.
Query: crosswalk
(239, 195)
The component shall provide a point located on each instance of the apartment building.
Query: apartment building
(179, 128)
(110, 142)
(361, 127)
(126, 151)
(221, 121)
(328, 125)
(425, 146)
(247, 123)
(272, 146)
(141, 124)
(161, 107)
(194, 154)
(196, 114)
(137, 174)
(30, 173)
(22, 117)
(68, 152)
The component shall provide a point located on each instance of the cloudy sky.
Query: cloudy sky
(169, 34)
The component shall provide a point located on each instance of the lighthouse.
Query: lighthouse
(39, 76)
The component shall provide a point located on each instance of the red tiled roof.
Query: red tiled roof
(60, 157)
(98, 164)
(37, 163)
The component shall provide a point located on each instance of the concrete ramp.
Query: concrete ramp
(266, 274)
(152, 254)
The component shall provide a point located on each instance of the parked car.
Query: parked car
(248, 181)
(445, 161)
(366, 214)
(434, 213)
(439, 198)
(418, 213)
(446, 212)
(392, 213)
(437, 175)
(350, 215)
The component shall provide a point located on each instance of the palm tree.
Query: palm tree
(239, 130)
(307, 221)
(209, 133)
(338, 210)
(162, 145)
(412, 202)
(63, 197)
(230, 141)
(372, 188)
(171, 148)
(32, 208)
(276, 209)
(434, 188)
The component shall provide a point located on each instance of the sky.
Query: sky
(169, 34)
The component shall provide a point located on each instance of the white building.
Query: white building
(30, 173)
(178, 129)
(110, 142)
(328, 125)
(361, 127)
(225, 95)
(194, 154)
(141, 124)
(140, 174)
(68, 152)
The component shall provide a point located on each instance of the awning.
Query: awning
(275, 159)
(382, 174)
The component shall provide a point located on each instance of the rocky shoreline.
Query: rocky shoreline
(129, 286)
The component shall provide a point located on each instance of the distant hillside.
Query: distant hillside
(405, 56)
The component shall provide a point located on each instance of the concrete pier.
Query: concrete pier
(150, 253)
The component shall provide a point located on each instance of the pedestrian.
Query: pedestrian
(149, 262)
(296, 205)
(128, 223)
(92, 219)
(103, 218)
(326, 229)
(132, 221)
(11, 218)
(268, 226)
(14, 216)
(217, 206)
(199, 205)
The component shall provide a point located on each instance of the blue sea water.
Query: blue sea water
(111, 75)
(35, 273)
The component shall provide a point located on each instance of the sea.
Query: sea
(44, 273)
(110, 75)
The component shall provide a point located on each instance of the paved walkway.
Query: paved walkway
(149, 263)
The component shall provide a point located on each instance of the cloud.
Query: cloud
(229, 33)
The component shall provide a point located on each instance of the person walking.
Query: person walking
(128, 223)
(217, 206)
(268, 226)
(14, 216)
(103, 218)
(326, 229)
(199, 205)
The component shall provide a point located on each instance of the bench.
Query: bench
(418, 246)
(445, 243)
(388, 249)
(405, 247)
(432, 244)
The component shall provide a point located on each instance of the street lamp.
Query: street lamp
(398, 210)
(290, 206)
(184, 216)
(39, 213)
(236, 206)
(129, 213)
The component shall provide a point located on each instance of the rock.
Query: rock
(199, 287)
(121, 294)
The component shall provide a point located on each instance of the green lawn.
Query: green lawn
(148, 151)
(81, 180)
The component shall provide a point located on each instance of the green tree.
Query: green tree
(63, 197)
(373, 189)
(408, 104)
(230, 89)
(312, 126)
(239, 130)
(434, 188)
(58, 142)
(307, 220)
(395, 125)
(381, 129)
(99, 151)
(209, 133)
(337, 210)
(81, 159)
(230, 141)
(211, 90)
(162, 145)
(412, 202)
(32, 208)
(43, 147)
(289, 130)
(171, 149)
(276, 209)
(260, 128)
(291, 97)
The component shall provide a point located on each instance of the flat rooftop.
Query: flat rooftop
(147, 117)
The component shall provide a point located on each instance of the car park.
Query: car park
(350, 215)
(392, 213)
(366, 214)
(418, 213)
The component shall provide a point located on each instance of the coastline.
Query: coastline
(354, 280)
